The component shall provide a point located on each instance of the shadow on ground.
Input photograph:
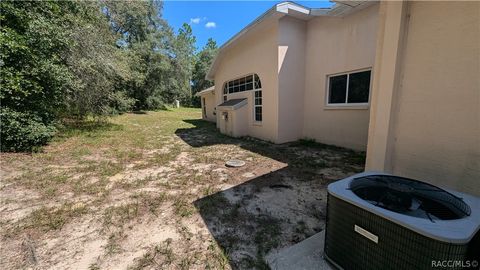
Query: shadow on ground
(281, 203)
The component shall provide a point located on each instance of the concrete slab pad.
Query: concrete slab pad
(306, 255)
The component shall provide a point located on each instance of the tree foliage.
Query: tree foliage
(97, 67)
(33, 50)
(82, 59)
(203, 62)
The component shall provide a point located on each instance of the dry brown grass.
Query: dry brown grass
(152, 191)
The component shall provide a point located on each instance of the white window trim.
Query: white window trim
(239, 77)
(359, 105)
(255, 122)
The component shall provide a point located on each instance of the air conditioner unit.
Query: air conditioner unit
(381, 221)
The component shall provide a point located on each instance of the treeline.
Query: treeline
(83, 59)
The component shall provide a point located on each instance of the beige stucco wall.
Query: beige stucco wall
(291, 78)
(235, 122)
(433, 133)
(254, 53)
(335, 45)
(208, 106)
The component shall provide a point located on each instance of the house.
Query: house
(280, 61)
(207, 100)
(400, 80)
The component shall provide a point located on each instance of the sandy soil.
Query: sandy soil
(171, 206)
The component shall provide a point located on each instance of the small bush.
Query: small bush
(155, 103)
(121, 103)
(23, 131)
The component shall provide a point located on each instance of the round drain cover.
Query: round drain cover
(235, 163)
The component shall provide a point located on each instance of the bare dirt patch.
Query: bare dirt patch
(152, 191)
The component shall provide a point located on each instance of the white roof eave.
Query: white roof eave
(205, 91)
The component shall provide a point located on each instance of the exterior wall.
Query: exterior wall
(335, 45)
(291, 78)
(254, 53)
(389, 38)
(208, 106)
(433, 133)
(235, 124)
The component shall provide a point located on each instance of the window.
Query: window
(258, 106)
(350, 88)
(247, 83)
(225, 92)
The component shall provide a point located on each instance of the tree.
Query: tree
(81, 59)
(34, 42)
(58, 60)
(33, 48)
(161, 62)
(204, 60)
(133, 20)
(97, 66)
(184, 48)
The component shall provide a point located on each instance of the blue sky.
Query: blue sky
(219, 19)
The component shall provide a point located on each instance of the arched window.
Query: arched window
(247, 83)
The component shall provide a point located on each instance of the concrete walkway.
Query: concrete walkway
(306, 255)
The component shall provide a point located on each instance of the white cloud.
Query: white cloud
(210, 25)
(195, 20)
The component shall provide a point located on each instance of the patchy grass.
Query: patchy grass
(150, 190)
(51, 218)
(159, 257)
(113, 244)
(141, 204)
(182, 206)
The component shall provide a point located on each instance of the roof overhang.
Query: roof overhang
(340, 9)
(205, 91)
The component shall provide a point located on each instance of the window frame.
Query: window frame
(231, 81)
(254, 89)
(346, 104)
(255, 106)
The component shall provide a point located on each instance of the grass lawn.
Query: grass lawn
(151, 191)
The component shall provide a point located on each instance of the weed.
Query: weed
(46, 219)
(119, 215)
(212, 205)
(301, 227)
(209, 190)
(45, 181)
(160, 256)
(94, 266)
(267, 235)
(183, 208)
(217, 257)
(113, 245)
(149, 201)
(101, 168)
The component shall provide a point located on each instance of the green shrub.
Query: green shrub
(155, 103)
(120, 103)
(23, 131)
